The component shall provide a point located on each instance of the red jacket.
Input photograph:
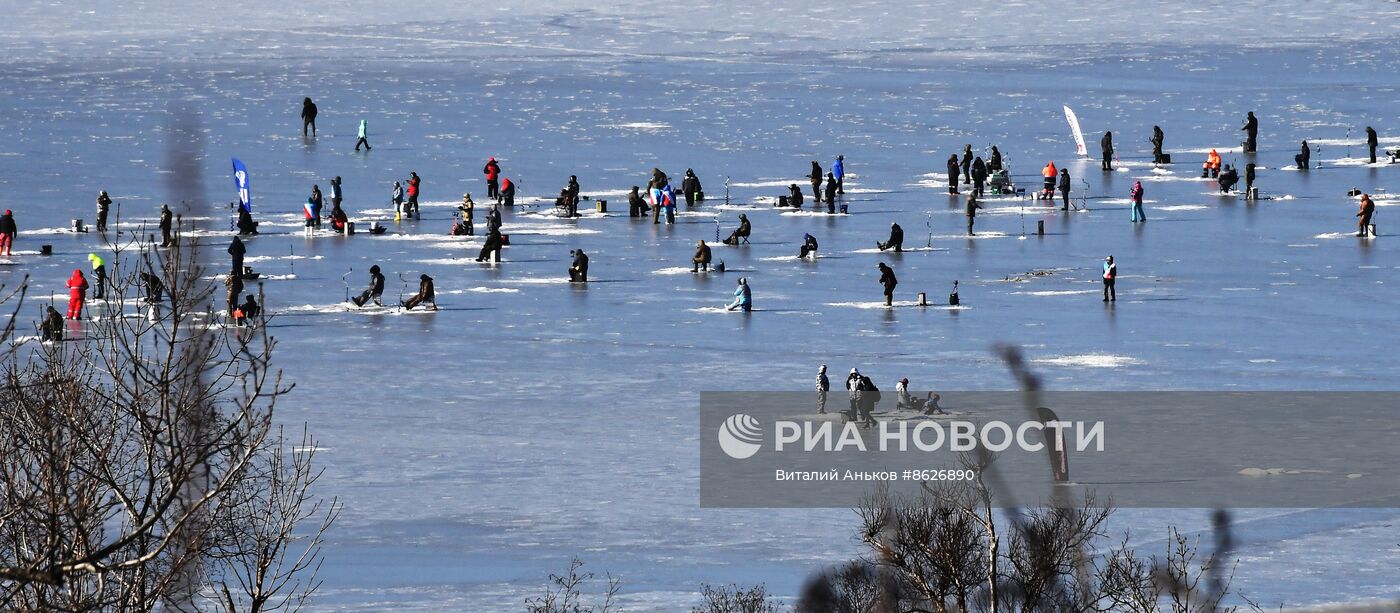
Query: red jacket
(413, 187)
(77, 283)
(492, 170)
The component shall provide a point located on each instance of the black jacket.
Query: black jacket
(165, 218)
(690, 184)
(887, 278)
(816, 175)
(744, 227)
(979, 170)
(236, 248)
(580, 262)
(795, 196)
(376, 284)
(953, 169)
(7, 225)
(1064, 181)
(896, 235)
(1106, 144)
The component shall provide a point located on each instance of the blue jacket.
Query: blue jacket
(838, 169)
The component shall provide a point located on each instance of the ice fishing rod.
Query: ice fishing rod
(346, 283)
(928, 223)
(402, 289)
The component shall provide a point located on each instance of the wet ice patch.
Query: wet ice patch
(1089, 360)
(1183, 207)
(880, 304)
(486, 290)
(1056, 292)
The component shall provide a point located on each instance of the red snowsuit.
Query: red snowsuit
(77, 293)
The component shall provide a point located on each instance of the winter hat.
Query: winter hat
(821, 368)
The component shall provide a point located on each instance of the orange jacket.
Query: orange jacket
(1213, 160)
(1049, 171)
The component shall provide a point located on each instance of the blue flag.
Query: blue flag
(240, 180)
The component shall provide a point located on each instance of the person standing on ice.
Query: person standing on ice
(8, 231)
(492, 170)
(316, 201)
(743, 297)
(364, 136)
(838, 170)
(1106, 147)
(1372, 141)
(397, 199)
(1249, 179)
(1136, 195)
(414, 185)
(1251, 133)
(493, 219)
(690, 187)
(1110, 276)
(972, 207)
(979, 176)
(99, 276)
(994, 164)
(1047, 176)
(375, 289)
(830, 191)
(816, 178)
(1158, 137)
(104, 203)
(966, 164)
(337, 196)
(823, 386)
(1368, 208)
(571, 196)
(1064, 189)
(492, 247)
(167, 225)
(308, 116)
(888, 280)
(77, 294)
(953, 175)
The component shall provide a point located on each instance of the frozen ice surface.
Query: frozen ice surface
(532, 419)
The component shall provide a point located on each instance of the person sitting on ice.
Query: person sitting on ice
(51, 328)
(743, 297)
(927, 405)
(1227, 179)
(247, 312)
(375, 289)
(1212, 166)
(338, 218)
(425, 294)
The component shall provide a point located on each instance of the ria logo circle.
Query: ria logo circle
(740, 436)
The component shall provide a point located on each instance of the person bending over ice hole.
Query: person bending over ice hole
(425, 294)
(578, 270)
(375, 290)
(1368, 209)
(743, 297)
(953, 174)
(51, 328)
(888, 280)
(155, 288)
(741, 233)
(701, 261)
(809, 247)
(247, 312)
(864, 396)
(507, 192)
(1211, 168)
(1227, 179)
(99, 276)
(491, 249)
(896, 240)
